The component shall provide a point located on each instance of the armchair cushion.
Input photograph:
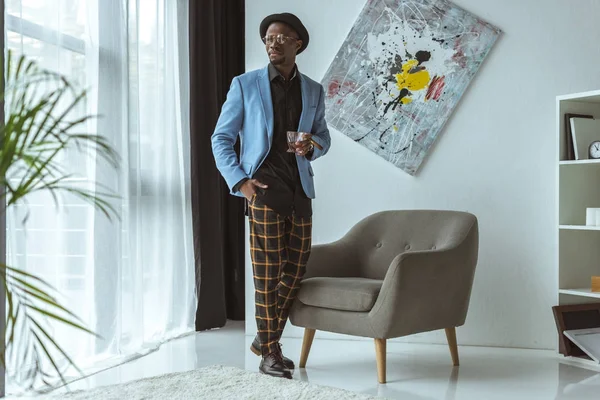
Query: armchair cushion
(345, 294)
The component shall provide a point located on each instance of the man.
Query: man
(261, 107)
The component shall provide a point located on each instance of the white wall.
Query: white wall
(495, 157)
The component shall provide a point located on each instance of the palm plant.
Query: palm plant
(42, 122)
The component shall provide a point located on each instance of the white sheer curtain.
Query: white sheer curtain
(131, 280)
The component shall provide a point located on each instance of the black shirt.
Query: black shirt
(279, 171)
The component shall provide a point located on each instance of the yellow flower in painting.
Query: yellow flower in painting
(412, 80)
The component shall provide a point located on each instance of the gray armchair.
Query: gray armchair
(394, 274)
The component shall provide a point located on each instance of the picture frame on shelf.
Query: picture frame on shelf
(584, 131)
(588, 340)
(569, 135)
(572, 317)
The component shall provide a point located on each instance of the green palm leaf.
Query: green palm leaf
(42, 122)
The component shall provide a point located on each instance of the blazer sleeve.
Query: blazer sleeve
(226, 132)
(319, 129)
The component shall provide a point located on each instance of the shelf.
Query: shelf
(585, 97)
(579, 162)
(580, 227)
(580, 292)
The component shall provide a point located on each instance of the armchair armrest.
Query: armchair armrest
(334, 259)
(426, 290)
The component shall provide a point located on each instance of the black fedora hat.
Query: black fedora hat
(289, 19)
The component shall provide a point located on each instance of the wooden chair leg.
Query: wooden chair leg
(451, 336)
(380, 353)
(309, 335)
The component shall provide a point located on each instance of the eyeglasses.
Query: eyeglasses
(281, 39)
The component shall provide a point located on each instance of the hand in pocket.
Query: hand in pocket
(249, 188)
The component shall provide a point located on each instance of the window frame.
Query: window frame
(35, 31)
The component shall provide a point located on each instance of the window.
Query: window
(132, 280)
(56, 246)
(54, 36)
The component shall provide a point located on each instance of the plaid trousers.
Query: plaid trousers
(280, 247)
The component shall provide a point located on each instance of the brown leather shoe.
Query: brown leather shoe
(272, 364)
(255, 346)
(287, 363)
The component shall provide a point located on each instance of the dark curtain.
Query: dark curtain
(216, 56)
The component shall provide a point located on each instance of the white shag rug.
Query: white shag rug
(216, 382)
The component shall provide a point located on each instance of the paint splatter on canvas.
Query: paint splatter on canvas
(400, 73)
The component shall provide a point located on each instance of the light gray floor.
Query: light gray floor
(415, 372)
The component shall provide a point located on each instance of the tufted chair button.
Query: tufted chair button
(378, 245)
(407, 247)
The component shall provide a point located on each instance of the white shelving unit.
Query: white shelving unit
(580, 292)
(580, 227)
(579, 162)
(578, 184)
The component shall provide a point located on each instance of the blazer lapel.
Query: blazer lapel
(264, 88)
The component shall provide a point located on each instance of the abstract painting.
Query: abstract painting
(400, 73)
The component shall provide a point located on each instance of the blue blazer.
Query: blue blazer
(248, 112)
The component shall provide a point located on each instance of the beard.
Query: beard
(278, 60)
